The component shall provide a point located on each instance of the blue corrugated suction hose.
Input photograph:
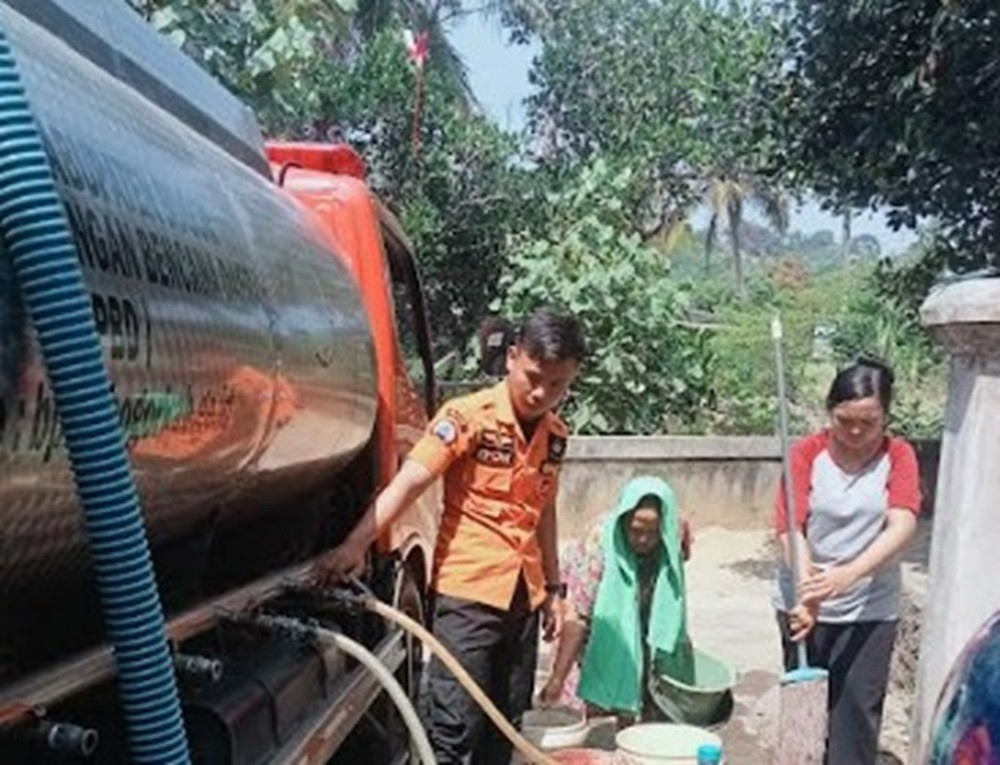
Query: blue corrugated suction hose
(37, 237)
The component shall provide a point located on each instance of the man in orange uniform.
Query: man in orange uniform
(496, 563)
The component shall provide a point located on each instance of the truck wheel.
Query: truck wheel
(409, 599)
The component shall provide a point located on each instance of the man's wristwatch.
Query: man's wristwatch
(556, 588)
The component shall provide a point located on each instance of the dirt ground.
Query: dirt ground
(729, 580)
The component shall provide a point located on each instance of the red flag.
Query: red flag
(416, 51)
(416, 47)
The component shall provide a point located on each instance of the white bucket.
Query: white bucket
(661, 743)
(554, 728)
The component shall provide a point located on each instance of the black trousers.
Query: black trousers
(499, 650)
(857, 656)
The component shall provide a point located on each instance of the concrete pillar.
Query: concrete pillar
(965, 546)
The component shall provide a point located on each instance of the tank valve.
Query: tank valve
(69, 739)
(198, 665)
(63, 739)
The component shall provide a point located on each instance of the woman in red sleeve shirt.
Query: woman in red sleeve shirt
(857, 497)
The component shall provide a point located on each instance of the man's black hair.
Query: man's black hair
(552, 337)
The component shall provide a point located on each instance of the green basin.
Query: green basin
(695, 689)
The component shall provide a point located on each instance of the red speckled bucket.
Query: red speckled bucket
(584, 757)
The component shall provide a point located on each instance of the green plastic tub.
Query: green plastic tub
(696, 689)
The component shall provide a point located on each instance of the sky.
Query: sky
(498, 73)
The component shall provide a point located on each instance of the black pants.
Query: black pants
(857, 656)
(499, 650)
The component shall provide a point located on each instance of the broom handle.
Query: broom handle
(791, 511)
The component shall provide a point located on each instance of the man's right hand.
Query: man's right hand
(342, 561)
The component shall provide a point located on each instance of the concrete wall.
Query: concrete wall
(725, 481)
(720, 481)
(964, 587)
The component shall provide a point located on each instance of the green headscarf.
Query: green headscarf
(611, 675)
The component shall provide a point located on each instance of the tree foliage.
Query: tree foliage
(316, 70)
(881, 320)
(896, 103)
(831, 318)
(727, 197)
(641, 111)
(669, 82)
(647, 371)
(274, 54)
(668, 88)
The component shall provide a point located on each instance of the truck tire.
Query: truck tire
(409, 598)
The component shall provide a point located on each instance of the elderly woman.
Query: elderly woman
(625, 604)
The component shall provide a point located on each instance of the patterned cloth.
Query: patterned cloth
(582, 568)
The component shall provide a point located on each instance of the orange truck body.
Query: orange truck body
(328, 179)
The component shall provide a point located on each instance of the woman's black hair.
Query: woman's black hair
(650, 501)
(646, 502)
(862, 379)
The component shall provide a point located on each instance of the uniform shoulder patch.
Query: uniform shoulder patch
(446, 429)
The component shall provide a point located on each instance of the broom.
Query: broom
(802, 725)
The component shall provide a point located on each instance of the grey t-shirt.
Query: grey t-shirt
(845, 513)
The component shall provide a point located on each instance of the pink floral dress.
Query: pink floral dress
(582, 567)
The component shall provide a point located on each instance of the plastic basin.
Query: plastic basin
(585, 757)
(695, 691)
(662, 743)
(554, 728)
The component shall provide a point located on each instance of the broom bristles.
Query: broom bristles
(803, 729)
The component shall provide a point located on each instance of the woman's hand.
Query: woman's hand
(827, 583)
(687, 536)
(551, 693)
(801, 621)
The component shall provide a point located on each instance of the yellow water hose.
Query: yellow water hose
(533, 754)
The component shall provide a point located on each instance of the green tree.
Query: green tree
(460, 199)
(260, 44)
(647, 371)
(433, 17)
(881, 320)
(897, 104)
(666, 88)
(272, 53)
(315, 70)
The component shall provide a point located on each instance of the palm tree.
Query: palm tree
(728, 194)
(845, 234)
(433, 17)
(422, 16)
